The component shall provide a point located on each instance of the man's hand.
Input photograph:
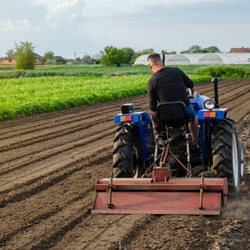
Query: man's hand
(191, 92)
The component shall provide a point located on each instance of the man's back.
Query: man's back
(166, 85)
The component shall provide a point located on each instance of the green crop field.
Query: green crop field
(54, 87)
(81, 70)
(24, 96)
(72, 70)
(98, 70)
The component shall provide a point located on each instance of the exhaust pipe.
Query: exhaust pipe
(215, 80)
(163, 57)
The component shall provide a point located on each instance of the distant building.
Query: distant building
(54, 58)
(240, 50)
(58, 60)
(200, 59)
(11, 60)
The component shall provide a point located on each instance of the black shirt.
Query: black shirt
(168, 85)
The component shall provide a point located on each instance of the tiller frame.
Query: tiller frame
(161, 194)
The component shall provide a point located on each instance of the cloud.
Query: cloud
(13, 25)
(175, 27)
(63, 6)
(87, 26)
(58, 29)
(22, 10)
(67, 13)
(99, 8)
(109, 33)
(206, 14)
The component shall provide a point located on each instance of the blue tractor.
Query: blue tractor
(135, 145)
(164, 173)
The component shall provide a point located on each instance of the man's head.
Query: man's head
(154, 61)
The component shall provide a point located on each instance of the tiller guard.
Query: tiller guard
(144, 196)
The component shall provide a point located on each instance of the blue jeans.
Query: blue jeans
(191, 112)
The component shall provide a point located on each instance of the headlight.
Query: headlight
(209, 104)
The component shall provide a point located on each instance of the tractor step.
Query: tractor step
(143, 196)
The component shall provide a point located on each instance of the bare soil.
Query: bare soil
(48, 167)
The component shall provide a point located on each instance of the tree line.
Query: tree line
(109, 56)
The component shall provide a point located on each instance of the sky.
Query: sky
(79, 27)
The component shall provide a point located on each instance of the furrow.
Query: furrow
(35, 186)
(241, 91)
(44, 231)
(51, 209)
(28, 155)
(239, 108)
(48, 165)
(50, 125)
(46, 135)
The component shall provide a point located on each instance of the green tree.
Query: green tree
(170, 53)
(129, 52)
(48, 56)
(24, 56)
(146, 51)
(112, 56)
(87, 59)
(61, 60)
(78, 60)
(194, 49)
(211, 49)
(10, 52)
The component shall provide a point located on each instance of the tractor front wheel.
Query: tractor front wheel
(127, 154)
(226, 155)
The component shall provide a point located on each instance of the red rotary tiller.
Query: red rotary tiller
(160, 194)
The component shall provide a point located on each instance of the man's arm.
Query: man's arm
(188, 82)
(154, 116)
(152, 97)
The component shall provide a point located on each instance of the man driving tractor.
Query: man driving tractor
(169, 84)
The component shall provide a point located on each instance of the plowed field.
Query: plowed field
(48, 167)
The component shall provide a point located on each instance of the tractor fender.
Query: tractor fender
(214, 114)
(144, 123)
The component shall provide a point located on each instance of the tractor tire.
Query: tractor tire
(241, 151)
(127, 154)
(226, 156)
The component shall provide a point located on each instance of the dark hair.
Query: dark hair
(154, 58)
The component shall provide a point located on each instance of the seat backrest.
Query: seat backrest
(173, 114)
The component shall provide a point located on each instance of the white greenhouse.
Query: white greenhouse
(183, 59)
(224, 58)
(142, 60)
(201, 59)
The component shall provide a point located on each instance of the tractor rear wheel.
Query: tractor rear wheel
(127, 154)
(226, 156)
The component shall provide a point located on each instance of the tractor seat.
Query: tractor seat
(173, 114)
